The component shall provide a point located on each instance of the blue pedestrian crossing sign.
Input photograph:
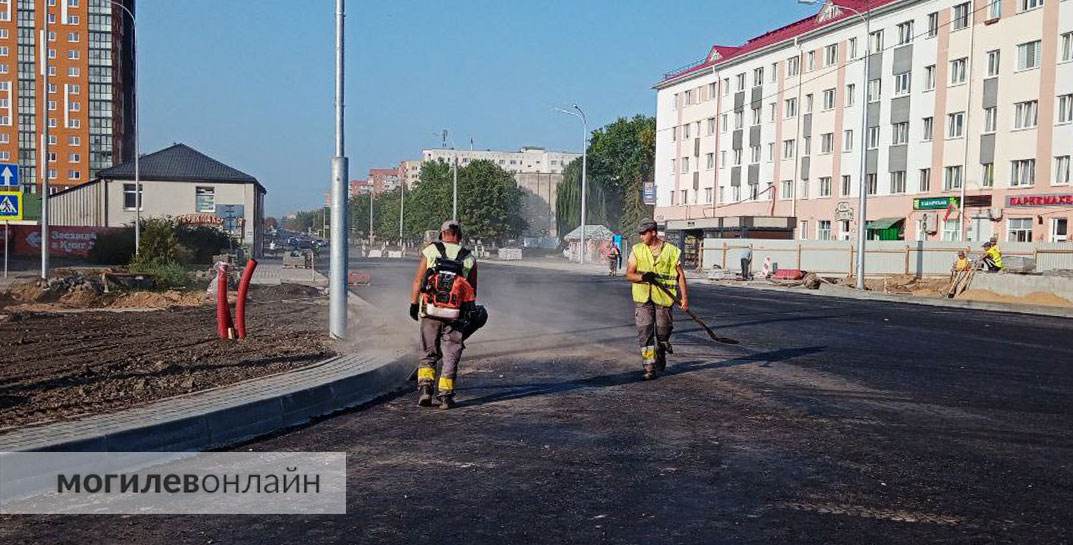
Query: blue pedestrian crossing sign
(10, 205)
(9, 175)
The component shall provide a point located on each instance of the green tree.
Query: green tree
(621, 156)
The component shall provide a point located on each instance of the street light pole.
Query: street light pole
(584, 168)
(137, 134)
(337, 318)
(862, 200)
(43, 165)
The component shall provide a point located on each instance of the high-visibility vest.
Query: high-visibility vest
(451, 249)
(666, 269)
(995, 255)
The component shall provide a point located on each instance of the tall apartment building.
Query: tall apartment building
(527, 159)
(966, 110)
(90, 50)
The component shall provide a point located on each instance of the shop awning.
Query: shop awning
(884, 223)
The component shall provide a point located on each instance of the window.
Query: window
(756, 116)
(724, 123)
(851, 91)
(1066, 47)
(758, 76)
(793, 66)
(685, 165)
(994, 9)
(990, 119)
(808, 145)
(929, 127)
(74, 158)
(897, 182)
(875, 89)
(847, 140)
(873, 137)
(924, 180)
(770, 151)
(1059, 229)
(1030, 4)
(1019, 230)
(829, 99)
(773, 109)
(992, 63)
(873, 184)
(72, 54)
(853, 48)
(709, 161)
(1065, 108)
(739, 119)
(830, 55)
(955, 125)
(787, 149)
(987, 176)
(825, 186)
(74, 140)
(737, 157)
(726, 86)
(711, 126)
(1026, 114)
(740, 78)
(1022, 172)
(72, 37)
(844, 232)
(1028, 55)
(674, 134)
(205, 199)
(129, 195)
(685, 131)
(900, 133)
(808, 103)
(823, 231)
(953, 178)
(711, 90)
(791, 107)
(875, 42)
(902, 83)
(787, 189)
(933, 24)
(929, 77)
(827, 142)
(774, 73)
(847, 185)
(961, 16)
(905, 33)
(951, 230)
(707, 195)
(957, 71)
(811, 61)
(754, 154)
(722, 159)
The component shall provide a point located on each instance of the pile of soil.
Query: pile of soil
(1034, 298)
(64, 365)
(905, 284)
(77, 291)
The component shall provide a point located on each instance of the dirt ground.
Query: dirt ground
(61, 365)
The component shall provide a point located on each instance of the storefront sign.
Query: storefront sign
(199, 219)
(1061, 199)
(935, 203)
(65, 241)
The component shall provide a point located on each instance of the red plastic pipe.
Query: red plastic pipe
(240, 303)
(223, 310)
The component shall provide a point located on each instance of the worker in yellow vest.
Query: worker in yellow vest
(655, 261)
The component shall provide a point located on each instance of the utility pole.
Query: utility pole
(578, 113)
(337, 319)
(42, 166)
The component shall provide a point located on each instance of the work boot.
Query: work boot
(667, 347)
(424, 395)
(649, 371)
(447, 401)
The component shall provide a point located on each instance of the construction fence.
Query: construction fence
(838, 258)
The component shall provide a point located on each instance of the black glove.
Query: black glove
(649, 277)
(413, 311)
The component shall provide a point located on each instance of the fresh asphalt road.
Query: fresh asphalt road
(834, 421)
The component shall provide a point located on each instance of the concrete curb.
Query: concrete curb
(227, 415)
(1033, 310)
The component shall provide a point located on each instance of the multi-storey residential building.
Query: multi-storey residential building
(383, 179)
(410, 172)
(90, 88)
(528, 159)
(962, 126)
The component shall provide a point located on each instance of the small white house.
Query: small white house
(177, 181)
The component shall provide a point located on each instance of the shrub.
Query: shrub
(168, 275)
(202, 242)
(113, 247)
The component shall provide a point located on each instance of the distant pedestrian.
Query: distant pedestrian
(613, 258)
(747, 263)
(651, 262)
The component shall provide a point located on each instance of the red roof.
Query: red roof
(720, 54)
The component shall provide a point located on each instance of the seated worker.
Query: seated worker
(961, 264)
(992, 257)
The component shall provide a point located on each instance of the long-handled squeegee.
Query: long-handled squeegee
(716, 338)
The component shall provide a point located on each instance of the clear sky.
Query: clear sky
(251, 82)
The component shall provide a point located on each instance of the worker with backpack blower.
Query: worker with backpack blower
(443, 298)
